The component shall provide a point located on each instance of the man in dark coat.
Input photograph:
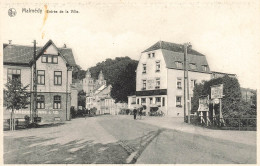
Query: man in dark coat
(135, 112)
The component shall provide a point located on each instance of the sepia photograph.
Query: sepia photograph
(129, 82)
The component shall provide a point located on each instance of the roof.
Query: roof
(23, 55)
(216, 72)
(171, 47)
(171, 57)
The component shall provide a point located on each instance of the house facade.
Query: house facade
(160, 73)
(54, 77)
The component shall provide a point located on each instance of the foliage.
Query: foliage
(82, 98)
(125, 85)
(231, 102)
(254, 100)
(78, 73)
(120, 73)
(93, 111)
(15, 95)
(197, 91)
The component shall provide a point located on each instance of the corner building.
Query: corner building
(160, 76)
(54, 77)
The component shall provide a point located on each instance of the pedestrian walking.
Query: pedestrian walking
(140, 112)
(135, 112)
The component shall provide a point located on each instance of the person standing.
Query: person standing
(135, 112)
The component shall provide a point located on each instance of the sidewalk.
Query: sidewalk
(245, 137)
(188, 144)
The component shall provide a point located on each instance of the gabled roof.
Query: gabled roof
(171, 47)
(23, 55)
(171, 57)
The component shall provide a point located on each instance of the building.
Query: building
(54, 77)
(159, 77)
(98, 95)
(89, 84)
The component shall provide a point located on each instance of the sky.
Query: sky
(227, 32)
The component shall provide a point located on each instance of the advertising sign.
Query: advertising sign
(217, 91)
(150, 84)
(203, 103)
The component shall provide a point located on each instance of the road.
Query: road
(118, 140)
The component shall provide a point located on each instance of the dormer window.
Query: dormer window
(193, 66)
(50, 59)
(179, 65)
(204, 68)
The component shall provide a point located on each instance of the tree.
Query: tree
(125, 84)
(82, 98)
(15, 97)
(120, 73)
(231, 102)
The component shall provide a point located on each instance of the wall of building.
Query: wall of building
(74, 98)
(173, 91)
(49, 69)
(151, 74)
(25, 74)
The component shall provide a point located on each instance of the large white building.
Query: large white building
(159, 77)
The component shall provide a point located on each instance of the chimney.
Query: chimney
(64, 46)
(10, 41)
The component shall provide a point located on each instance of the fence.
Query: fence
(239, 123)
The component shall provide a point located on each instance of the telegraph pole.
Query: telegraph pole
(186, 83)
(34, 114)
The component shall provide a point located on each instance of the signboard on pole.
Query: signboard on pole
(203, 103)
(217, 91)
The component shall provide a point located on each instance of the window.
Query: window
(144, 68)
(204, 67)
(40, 101)
(179, 83)
(57, 78)
(178, 101)
(49, 59)
(157, 100)
(57, 102)
(153, 54)
(137, 101)
(149, 55)
(158, 66)
(144, 84)
(192, 83)
(40, 77)
(178, 65)
(143, 100)
(158, 82)
(14, 74)
(193, 66)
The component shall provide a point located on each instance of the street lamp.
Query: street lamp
(186, 82)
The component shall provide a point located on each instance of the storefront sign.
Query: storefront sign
(217, 91)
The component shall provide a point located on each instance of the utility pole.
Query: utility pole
(186, 83)
(34, 114)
